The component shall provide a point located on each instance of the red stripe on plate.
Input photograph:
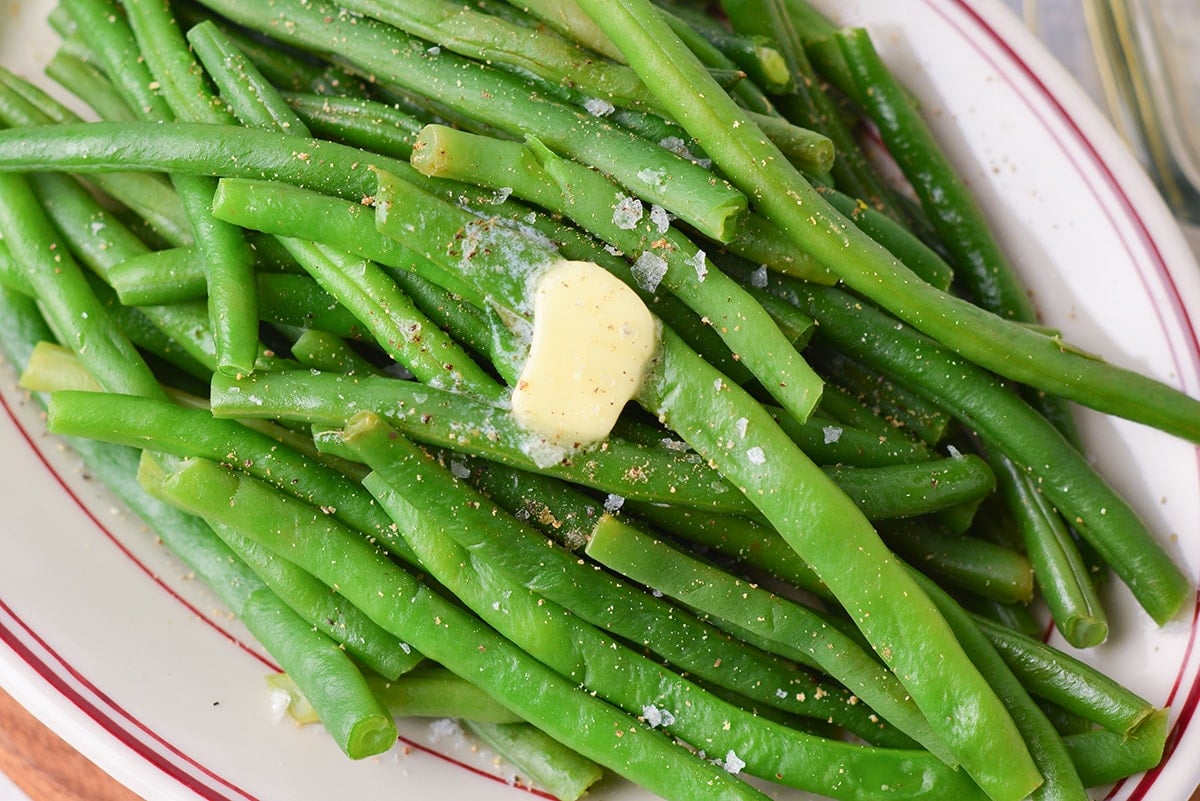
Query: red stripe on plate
(109, 715)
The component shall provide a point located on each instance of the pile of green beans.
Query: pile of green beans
(241, 288)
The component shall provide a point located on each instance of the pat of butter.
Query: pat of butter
(593, 340)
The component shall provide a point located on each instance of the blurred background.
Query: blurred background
(1136, 60)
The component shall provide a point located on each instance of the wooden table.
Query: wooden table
(44, 766)
(47, 769)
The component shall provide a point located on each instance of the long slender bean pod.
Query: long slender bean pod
(449, 420)
(700, 649)
(498, 99)
(460, 642)
(790, 629)
(1061, 780)
(829, 767)
(829, 533)
(782, 195)
(661, 256)
(1012, 427)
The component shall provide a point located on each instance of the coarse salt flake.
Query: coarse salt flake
(660, 217)
(656, 717)
(598, 107)
(649, 270)
(627, 213)
(758, 278)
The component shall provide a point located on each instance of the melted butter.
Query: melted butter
(593, 340)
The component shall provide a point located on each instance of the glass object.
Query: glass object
(1145, 51)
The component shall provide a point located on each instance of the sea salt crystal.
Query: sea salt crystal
(733, 763)
(756, 455)
(652, 176)
(445, 728)
(758, 278)
(680, 148)
(660, 217)
(656, 717)
(598, 107)
(832, 434)
(627, 213)
(649, 270)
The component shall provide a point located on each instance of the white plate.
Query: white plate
(106, 639)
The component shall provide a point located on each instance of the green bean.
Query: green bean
(233, 315)
(341, 224)
(756, 55)
(829, 767)
(904, 245)
(74, 312)
(953, 211)
(457, 640)
(1012, 427)
(148, 196)
(1068, 682)
(740, 539)
(570, 20)
(448, 420)
(89, 84)
(829, 533)
(268, 620)
(911, 489)
(249, 96)
(1103, 757)
(1015, 617)
(359, 122)
(561, 577)
(187, 433)
(1063, 576)
(811, 106)
(960, 224)
(322, 350)
(1061, 779)
(495, 98)
(328, 677)
(493, 40)
(544, 761)
(786, 628)
(831, 442)
(661, 254)
(328, 613)
(782, 195)
(11, 276)
(980, 567)
(170, 275)
(394, 321)
(889, 400)
(532, 173)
